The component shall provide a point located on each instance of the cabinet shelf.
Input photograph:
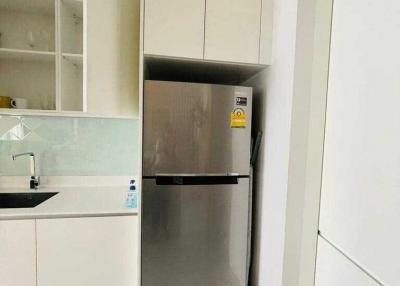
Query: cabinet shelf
(75, 59)
(27, 55)
(58, 113)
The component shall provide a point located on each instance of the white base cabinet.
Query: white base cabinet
(99, 251)
(17, 253)
(88, 251)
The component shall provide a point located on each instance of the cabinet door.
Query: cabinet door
(233, 30)
(334, 269)
(17, 253)
(174, 28)
(88, 251)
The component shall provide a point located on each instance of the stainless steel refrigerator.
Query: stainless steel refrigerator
(196, 164)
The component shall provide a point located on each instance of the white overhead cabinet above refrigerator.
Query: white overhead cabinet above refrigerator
(233, 31)
(237, 31)
(174, 28)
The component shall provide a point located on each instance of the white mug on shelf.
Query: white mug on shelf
(19, 103)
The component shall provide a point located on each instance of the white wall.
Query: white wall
(307, 137)
(289, 108)
(299, 142)
(274, 118)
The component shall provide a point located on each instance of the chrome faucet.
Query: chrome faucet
(35, 180)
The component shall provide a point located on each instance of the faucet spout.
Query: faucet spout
(15, 156)
(35, 180)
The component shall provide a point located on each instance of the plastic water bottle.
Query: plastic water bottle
(131, 198)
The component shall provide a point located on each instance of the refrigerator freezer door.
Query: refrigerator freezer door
(189, 128)
(194, 235)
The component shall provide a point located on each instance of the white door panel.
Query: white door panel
(334, 269)
(17, 253)
(360, 207)
(88, 251)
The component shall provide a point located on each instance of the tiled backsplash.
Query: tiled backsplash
(67, 146)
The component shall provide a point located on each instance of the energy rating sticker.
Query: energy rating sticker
(238, 118)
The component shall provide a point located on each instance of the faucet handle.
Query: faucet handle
(34, 182)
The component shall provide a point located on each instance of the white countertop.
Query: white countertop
(73, 202)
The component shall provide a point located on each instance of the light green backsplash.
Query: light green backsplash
(67, 146)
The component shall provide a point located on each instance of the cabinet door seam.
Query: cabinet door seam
(36, 254)
(260, 32)
(204, 30)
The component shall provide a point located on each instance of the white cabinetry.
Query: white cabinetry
(69, 56)
(360, 207)
(334, 269)
(42, 53)
(17, 253)
(28, 61)
(88, 251)
(213, 30)
(233, 30)
(174, 28)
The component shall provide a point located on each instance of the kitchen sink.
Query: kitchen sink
(23, 200)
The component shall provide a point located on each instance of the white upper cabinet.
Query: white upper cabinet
(174, 28)
(69, 56)
(237, 31)
(233, 30)
(17, 253)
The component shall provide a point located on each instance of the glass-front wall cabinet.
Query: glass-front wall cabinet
(65, 56)
(42, 54)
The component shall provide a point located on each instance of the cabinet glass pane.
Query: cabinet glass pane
(71, 83)
(30, 81)
(71, 15)
(27, 25)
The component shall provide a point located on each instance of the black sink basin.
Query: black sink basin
(23, 200)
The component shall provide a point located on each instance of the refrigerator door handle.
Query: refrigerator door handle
(196, 179)
(197, 175)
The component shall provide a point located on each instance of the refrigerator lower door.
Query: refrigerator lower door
(195, 234)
